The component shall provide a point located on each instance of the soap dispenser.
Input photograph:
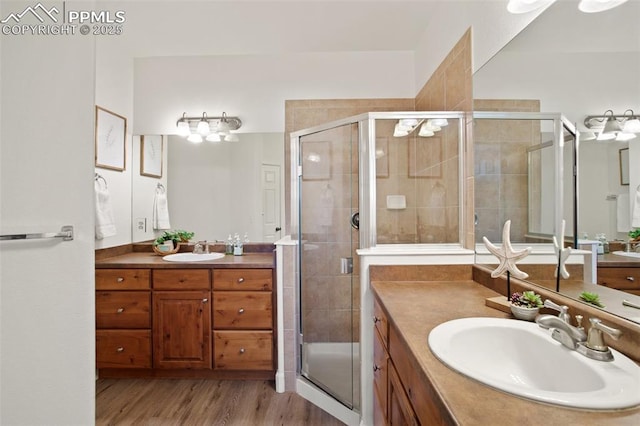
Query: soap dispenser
(237, 246)
(229, 246)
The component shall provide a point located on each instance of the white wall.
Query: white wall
(214, 189)
(47, 349)
(114, 91)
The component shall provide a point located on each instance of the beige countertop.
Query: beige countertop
(610, 260)
(417, 307)
(152, 260)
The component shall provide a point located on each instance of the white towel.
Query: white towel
(161, 210)
(635, 216)
(105, 222)
(623, 218)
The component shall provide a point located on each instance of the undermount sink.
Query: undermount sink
(521, 358)
(627, 253)
(192, 257)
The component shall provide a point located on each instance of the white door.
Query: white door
(271, 229)
(47, 337)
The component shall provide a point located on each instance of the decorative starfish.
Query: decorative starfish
(562, 254)
(507, 255)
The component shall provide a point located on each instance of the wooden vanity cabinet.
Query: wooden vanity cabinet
(181, 318)
(123, 318)
(401, 397)
(243, 326)
(621, 278)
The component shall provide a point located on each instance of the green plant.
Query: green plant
(591, 298)
(634, 234)
(175, 236)
(527, 299)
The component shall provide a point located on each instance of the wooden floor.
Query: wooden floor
(202, 402)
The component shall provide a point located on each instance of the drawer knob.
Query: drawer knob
(241, 350)
(205, 300)
(120, 349)
(120, 279)
(630, 279)
(120, 310)
(240, 280)
(376, 368)
(241, 311)
(376, 320)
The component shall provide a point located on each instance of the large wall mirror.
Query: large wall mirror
(214, 188)
(576, 64)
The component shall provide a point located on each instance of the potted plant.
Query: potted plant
(169, 241)
(525, 305)
(634, 238)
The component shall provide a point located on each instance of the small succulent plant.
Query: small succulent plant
(591, 298)
(635, 234)
(175, 236)
(526, 299)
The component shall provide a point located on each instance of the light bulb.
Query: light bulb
(195, 138)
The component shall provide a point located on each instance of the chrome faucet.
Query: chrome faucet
(201, 247)
(562, 310)
(595, 348)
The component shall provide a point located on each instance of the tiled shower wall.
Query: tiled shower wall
(502, 170)
(449, 89)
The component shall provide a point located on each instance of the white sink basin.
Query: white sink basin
(628, 254)
(192, 257)
(521, 358)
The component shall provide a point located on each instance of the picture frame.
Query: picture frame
(151, 155)
(316, 160)
(110, 136)
(382, 157)
(623, 155)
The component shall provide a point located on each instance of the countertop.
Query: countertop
(417, 307)
(152, 260)
(610, 260)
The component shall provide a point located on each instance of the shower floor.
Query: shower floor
(329, 365)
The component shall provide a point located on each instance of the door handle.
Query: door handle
(278, 229)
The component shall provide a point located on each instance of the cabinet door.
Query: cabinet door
(181, 329)
(400, 410)
(380, 379)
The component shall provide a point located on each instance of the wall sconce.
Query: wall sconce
(213, 129)
(587, 6)
(611, 126)
(428, 128)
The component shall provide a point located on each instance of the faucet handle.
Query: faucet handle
(563, 310)
(595, 340)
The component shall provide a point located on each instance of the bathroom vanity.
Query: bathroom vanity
(619, 272)
(411, 386)
(211, 319)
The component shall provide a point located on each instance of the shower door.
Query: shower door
(329, 282)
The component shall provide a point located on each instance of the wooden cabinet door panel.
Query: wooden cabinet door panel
(123, 309)
(380, 366)
(123, 349)
(243, 279)
(400, 410)
(122, 279)
(243, 350)
(181, 279)
(381, 322)
(242, 309)
(181, 329)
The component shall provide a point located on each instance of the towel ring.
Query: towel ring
(161, 187)
(99, 178)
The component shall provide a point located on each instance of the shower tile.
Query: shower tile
(487, 159)
(432, 225)
(513, 191)
(289, 309)
(489, 224)
(487, 191)
(518, 217)
(519, 131)
(513, 158)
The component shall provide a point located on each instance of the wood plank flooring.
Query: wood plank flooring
(195, 402)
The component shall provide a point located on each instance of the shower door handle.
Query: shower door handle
(355, 220)
(346, 265)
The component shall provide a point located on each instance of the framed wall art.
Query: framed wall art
(624, 166)
(111, 131)
(151, 150)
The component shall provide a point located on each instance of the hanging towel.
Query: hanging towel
(623, 218)
(161, 210)
(635, 216)
(105, 222)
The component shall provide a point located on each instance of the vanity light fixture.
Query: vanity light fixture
(428, 128)
(587, 6)
(213, 129)
(611, 126)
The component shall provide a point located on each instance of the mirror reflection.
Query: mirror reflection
(564, 61)
(215, 189)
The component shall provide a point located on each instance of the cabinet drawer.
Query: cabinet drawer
(123, 309)
(243, 350)
(122, 279)
(381, 322)
(181, 279)
(242, 309)
(123, 349)
(243, 279)
(620, 278)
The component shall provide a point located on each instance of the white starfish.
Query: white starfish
(507, 255)
(562, 253)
